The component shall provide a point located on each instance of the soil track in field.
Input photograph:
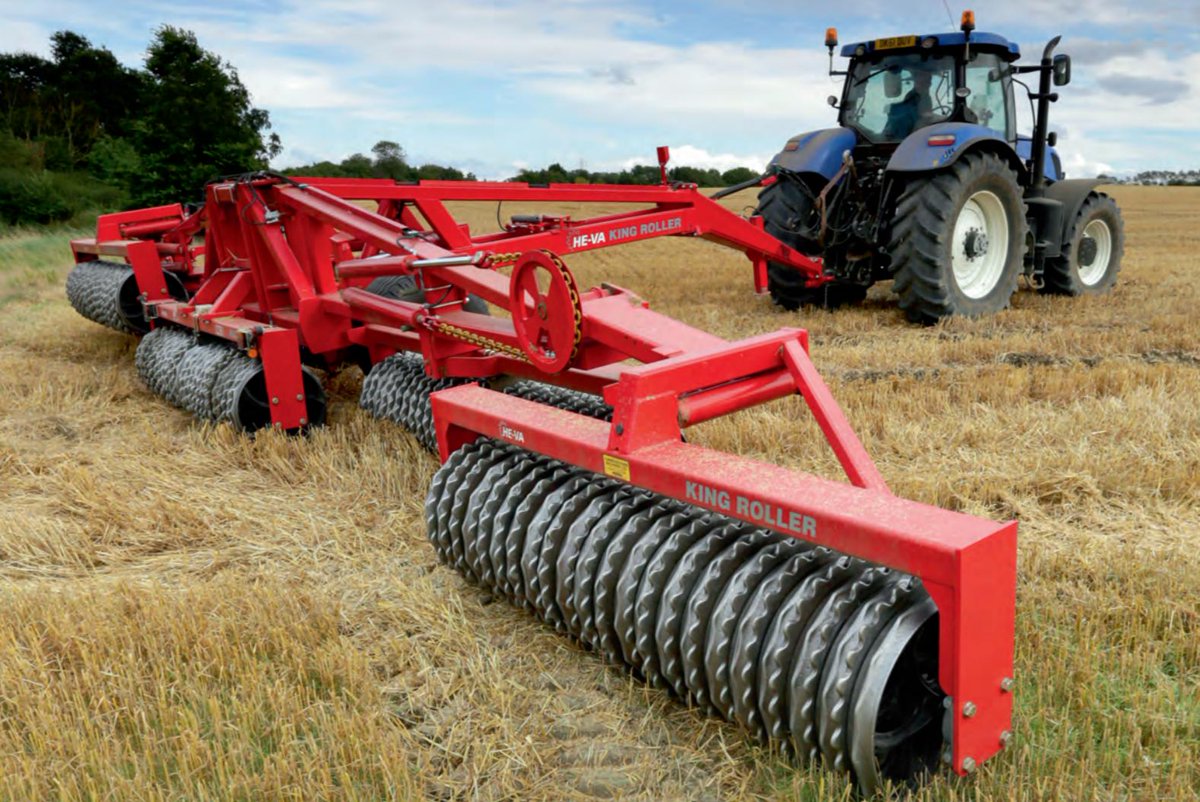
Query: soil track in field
(193, 614)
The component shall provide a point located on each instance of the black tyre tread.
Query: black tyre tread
(550, 584)
(481, 509)
(775, 611)
(535, 539)
(654, 580)
(1061, 276)
(811, 652)
(630, 502)
(779, 205)
(746, 669)
(398, 389)
(675, 596)
(726, 614)
(404, 288)
(107, 293)
(568, 556)
(922, 227)
(94, 288)
(562, 398)
(704, 597)
(606, 603)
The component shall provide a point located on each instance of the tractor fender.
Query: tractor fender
(1071, 193)
(1053, 165)
(916, 155)
(817, 152)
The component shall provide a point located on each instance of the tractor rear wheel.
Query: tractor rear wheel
(958, 240)
(787, 210)
(1092, 249)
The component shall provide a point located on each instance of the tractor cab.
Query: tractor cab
(902, 84)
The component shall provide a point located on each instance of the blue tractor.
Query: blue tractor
(927, 182)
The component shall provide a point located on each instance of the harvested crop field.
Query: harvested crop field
(193, 614)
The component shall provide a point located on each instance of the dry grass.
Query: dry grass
(189, 614)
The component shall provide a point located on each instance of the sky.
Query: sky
(492, 87)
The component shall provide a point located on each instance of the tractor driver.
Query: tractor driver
(915, 110)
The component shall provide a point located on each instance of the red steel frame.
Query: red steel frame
(281, 272)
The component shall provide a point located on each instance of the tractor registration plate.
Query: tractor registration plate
(893, 42)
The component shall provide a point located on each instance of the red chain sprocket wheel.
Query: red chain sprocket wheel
(546, 311)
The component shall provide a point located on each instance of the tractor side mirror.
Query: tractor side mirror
(1062, 70)
(891, 84)
(1052, 138)
(832, 100)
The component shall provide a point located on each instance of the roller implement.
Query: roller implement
(849, 626)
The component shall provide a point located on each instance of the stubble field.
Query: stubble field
(186, 613)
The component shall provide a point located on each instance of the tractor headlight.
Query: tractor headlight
(928, 42)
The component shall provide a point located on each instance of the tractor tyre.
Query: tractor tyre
(1092, 250)
(789, 216)
(958, 240)
(404, 288)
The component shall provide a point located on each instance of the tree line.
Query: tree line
(389, 160)
(638, 174)
(1170, 178)
(81, 133)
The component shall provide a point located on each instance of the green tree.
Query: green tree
(25, 82)
(357, 166)
(114, 161)
(642, 174)
(94, 95)
(436, 172)
(18, 153)
(390, 161)
(737, 175)
(197, 121)
(696, 175)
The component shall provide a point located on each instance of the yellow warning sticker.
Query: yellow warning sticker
(616, 467)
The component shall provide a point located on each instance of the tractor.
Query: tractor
(926, 181)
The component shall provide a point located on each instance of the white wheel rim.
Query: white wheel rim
(979, 251)
(1098, 231)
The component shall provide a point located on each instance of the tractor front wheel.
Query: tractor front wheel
(958, 240)
(1092, 250)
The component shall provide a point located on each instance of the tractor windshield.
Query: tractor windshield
(887, 99)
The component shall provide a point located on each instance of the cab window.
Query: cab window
(888, 99)
(987, 104)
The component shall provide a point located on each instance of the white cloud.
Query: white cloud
(292, 84)
(719, 83)
(1076, 165)
(18, 36)
(596, 80)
